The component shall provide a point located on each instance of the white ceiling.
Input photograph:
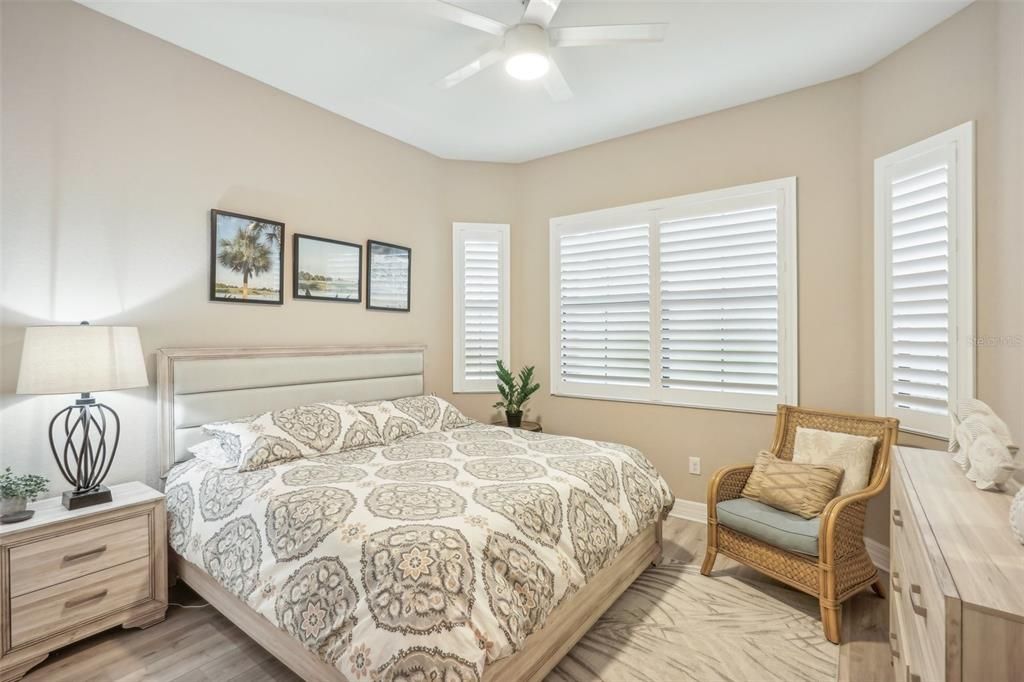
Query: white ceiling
(375, 62)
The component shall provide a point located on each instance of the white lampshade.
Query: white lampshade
(81, 359)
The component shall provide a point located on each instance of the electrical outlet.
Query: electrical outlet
(695, 466)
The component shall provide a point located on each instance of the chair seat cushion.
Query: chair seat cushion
(773, 526)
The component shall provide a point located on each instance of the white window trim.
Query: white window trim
(958, 143)
(664, 210)
(460, 231)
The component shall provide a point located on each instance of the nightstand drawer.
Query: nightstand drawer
(58, 559)
(45, 612)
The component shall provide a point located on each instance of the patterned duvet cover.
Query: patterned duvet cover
(426, 558)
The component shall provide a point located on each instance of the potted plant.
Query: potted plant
(16, 492)
(514, 393)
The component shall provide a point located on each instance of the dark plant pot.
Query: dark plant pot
(514, 420)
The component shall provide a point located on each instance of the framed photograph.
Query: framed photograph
(389, 275)
(246, 259)
(326, 270)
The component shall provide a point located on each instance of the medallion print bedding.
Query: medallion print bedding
(431, 556)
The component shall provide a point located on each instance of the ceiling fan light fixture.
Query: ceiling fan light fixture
(527, 48)
(527, 66)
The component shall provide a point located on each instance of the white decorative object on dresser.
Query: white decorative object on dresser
(1017, 516)
(65, 575)
(957, 604)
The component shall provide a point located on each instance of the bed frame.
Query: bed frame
(199, 385)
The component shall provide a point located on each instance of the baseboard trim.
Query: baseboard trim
(698, 512)
(879, 554)
(690, 511)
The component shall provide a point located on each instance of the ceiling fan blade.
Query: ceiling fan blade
(554, 83)
(447, 10)
(586, 36)
(487, 59)
(539, 12)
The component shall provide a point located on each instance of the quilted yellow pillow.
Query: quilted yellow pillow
(755, 481)
(802, 489)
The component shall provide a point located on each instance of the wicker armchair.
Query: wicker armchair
(842, 567)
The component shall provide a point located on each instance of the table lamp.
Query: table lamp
(82, 359)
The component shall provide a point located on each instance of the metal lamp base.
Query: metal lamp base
(88, 433)
(72, 499)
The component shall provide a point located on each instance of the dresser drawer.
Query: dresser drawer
(50, 610)
(922, 607)
(916, 592)
(52, 561)
(918, 658)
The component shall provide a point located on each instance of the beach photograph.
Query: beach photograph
(247, 259)
(326, 269)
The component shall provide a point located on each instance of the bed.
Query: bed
(478, 552)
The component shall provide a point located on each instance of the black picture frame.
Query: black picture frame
(216, 218)
(297, 288)
(372, 244)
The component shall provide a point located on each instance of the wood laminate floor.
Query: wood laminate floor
(198, 644)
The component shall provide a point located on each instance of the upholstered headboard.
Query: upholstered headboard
(196, 386)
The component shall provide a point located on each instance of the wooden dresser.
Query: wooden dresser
(957, 602)
(65, 575)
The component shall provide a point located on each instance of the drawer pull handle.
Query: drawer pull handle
(896, 587)
(914, 677)
(68, 558)
(74, 603)
(915, 600)
(897, 517)
(894, 647)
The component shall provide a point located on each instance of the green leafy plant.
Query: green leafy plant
(29, 486)
(514, 393)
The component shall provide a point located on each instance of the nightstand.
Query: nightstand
(525, 426)
(66, 575)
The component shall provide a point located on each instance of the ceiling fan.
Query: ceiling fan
(526, 46)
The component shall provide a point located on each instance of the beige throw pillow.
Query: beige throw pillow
(851, 454)
(755, 481)
(802, 489)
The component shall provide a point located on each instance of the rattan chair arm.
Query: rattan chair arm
(844, 516)
(726, 484)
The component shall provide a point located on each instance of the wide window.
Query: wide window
(481, 310)
(924, 280)
(685, 301)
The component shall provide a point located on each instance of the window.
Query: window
(685, 301)
(481, 309)
(924, 280)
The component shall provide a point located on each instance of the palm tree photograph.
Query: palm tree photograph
(247, 259)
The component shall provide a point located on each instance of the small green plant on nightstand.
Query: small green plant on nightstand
(514, 393)
(17, 491)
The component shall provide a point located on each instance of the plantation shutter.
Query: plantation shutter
(604, 307)
(919, 267)
(481, 317)
(924, 280)
(720, 301)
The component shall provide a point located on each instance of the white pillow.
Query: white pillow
(850, 453)
(211, 452)
(399, 419)
(304, 431)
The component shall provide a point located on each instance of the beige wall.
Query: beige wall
(116, 145)
(812, 134)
